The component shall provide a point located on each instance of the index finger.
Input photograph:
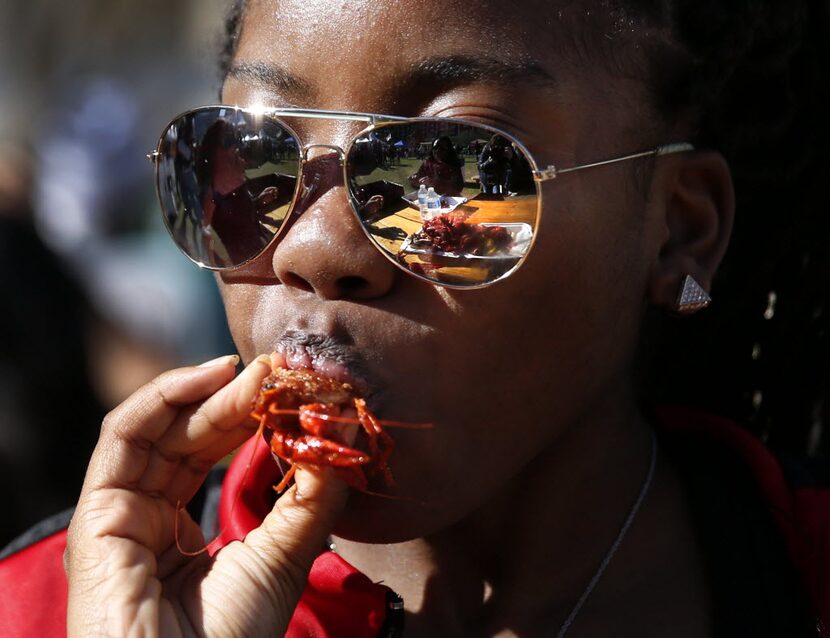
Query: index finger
(213, 429)
(130, 431)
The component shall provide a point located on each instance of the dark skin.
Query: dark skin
(538, 448)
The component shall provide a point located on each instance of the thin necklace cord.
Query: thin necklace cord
(617, 541)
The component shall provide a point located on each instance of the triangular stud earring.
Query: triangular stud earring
(692, 297)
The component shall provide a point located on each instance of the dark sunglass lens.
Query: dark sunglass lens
(226, 179)
(452, 202)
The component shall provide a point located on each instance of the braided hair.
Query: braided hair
(752, 75)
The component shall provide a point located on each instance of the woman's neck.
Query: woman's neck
(528, 554)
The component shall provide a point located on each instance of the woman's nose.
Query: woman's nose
(325, 250)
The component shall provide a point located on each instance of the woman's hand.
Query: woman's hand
(268, 196)
(126, 575)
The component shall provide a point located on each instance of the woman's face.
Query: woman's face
(500, 372)
(440, 150)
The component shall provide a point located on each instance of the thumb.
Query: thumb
(293, 533)
(295, 530)
(256, 585)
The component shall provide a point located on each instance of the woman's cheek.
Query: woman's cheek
(239, 309)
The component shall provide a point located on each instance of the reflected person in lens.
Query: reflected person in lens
(235, 206)
(228, 209)
(442, 170)
(495, 166)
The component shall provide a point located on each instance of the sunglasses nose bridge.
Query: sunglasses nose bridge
(332, 147)
(323, 170)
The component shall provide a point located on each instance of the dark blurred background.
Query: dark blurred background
(96, 298)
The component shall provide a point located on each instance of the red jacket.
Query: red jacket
(340, 601)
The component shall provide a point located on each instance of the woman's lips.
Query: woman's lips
(328, 356)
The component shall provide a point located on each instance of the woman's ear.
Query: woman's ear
(693, 197)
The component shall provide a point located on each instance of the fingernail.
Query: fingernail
(221, 361)
(277, 360)
(350, 433)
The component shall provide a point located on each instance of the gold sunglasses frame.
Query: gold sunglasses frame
(377, 122)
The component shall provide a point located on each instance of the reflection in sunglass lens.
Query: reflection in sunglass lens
(451, 202)
(226, 179)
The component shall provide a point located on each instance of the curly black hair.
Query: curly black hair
(230, 40)
(752, 76)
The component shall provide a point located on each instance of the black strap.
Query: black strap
(38, 532)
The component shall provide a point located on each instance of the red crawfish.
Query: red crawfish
(300, 412)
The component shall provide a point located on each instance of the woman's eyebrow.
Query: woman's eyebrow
(456, 69)
(275, 78)
(440, 71)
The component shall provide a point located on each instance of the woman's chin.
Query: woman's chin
(388, 519)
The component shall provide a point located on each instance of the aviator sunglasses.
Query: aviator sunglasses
(453, 202)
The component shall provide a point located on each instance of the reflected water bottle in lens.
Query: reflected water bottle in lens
(422, 200)
(433, 203)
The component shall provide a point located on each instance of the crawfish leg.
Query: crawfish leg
(307, 448)
(318, 418)
(381, 444)
(267, 420)
(314, 450)
(286, 479)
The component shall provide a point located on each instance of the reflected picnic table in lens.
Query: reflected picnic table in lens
(484, 209)
(403, 233)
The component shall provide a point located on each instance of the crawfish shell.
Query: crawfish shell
(300, 387)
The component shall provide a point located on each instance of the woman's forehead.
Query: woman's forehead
(512, 66)
(427, 22)
(314, 43)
